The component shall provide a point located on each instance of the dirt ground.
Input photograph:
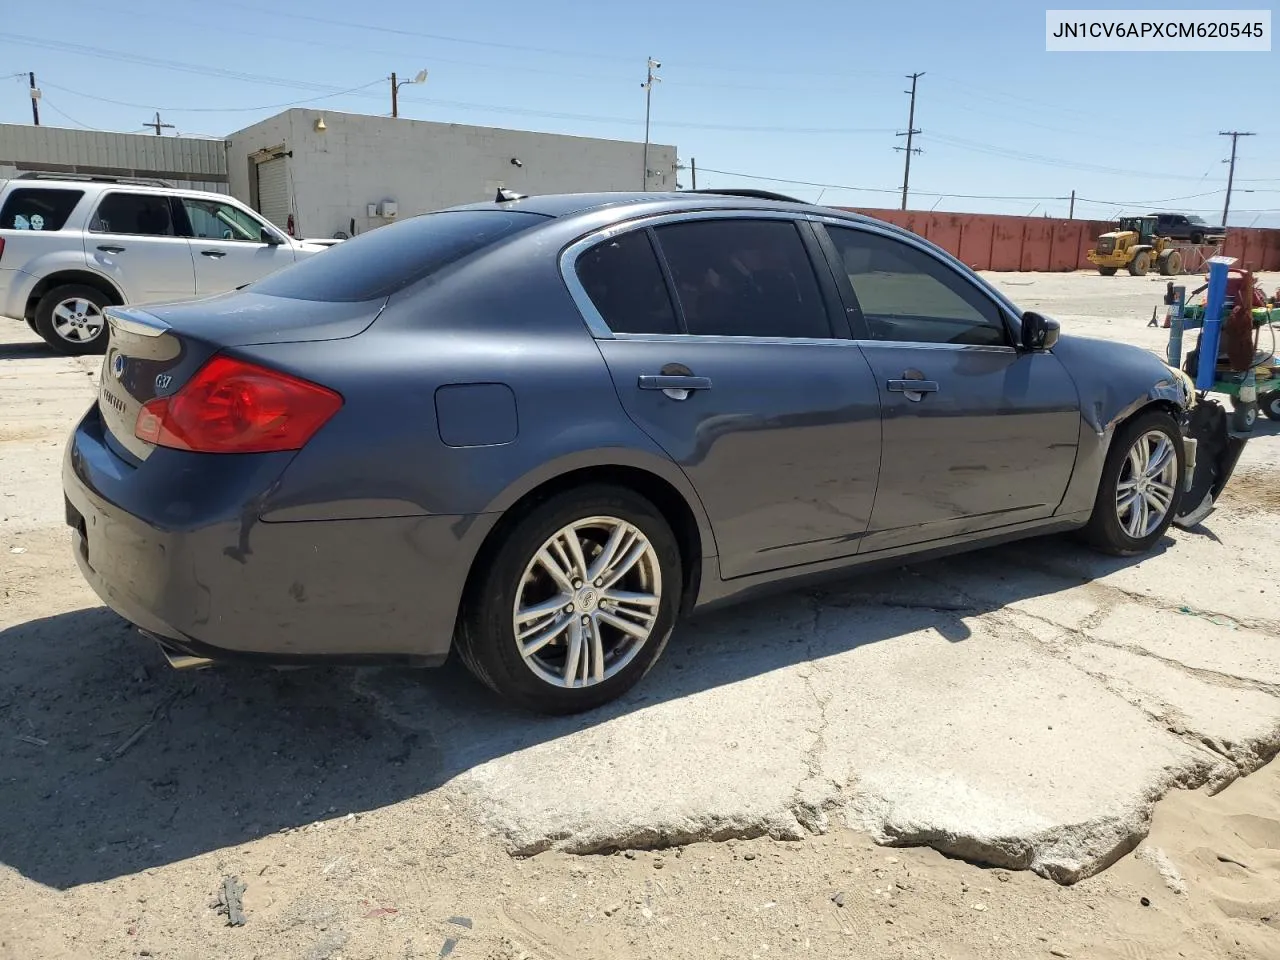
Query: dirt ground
(361, 809)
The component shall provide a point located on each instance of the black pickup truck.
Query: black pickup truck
(1185, 227)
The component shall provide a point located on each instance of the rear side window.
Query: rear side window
(378, 263)
(35, 209)
(624, 281)
(140, 214)
(744, 278)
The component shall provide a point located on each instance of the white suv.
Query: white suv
(71, 245)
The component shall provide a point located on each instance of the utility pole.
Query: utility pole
(649, 80)
(158, 125)
(693, 171)
(35, 99)
(910, 135)
(1071, 212)
(1231, 171)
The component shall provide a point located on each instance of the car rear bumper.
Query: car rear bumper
(225, 584)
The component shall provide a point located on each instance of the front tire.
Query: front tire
(1141, 486)
(69, 318)
(1107, 271)
(576, 602)
(1140, 264)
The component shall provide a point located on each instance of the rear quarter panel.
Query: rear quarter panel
(505, 318)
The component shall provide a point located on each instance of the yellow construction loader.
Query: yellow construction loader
(1135, 247)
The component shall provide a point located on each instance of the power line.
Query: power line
(953, 196)
(266, 106)
(1010, 154)
(50, 106)
(484, 107)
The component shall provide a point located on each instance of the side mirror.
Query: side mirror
(1039, 332)
(271, 237)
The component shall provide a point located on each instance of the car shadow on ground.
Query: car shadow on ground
(26, 351)
(111, 763)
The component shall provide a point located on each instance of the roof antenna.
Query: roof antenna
(505, 195)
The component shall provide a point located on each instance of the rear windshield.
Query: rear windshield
(31, 208)
(378, 263)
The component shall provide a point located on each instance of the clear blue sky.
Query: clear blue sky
(807, 90)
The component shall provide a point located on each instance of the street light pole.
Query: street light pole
(649, 81)
(420, 77)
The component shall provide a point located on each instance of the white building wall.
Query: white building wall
(336, 173)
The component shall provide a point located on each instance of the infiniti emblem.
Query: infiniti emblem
(117, 365)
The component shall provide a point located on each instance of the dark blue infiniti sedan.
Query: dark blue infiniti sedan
(537, 431)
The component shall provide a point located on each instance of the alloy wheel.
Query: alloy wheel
(587, 602)
(1146, 486)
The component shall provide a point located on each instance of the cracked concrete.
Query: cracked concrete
(1023, 707)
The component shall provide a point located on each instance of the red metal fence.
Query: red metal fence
(993, 242)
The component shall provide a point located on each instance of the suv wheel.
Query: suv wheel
(69, 318)
(577, 602)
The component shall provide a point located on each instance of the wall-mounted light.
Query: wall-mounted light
(516, 162)
(320, 127)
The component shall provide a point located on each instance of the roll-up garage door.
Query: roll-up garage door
(273, 191)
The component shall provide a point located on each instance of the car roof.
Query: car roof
(90, 186)
(642, 204)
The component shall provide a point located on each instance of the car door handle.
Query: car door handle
(110, 248)
(216, 254)
(913, 390)
(675, 386)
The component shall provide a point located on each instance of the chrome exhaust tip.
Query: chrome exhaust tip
(183, 661)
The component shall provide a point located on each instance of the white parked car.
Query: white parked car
(73, 244)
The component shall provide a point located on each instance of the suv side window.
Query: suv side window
(737, 277)
(624, 281)
(212, 220)
(141, 214)
(29, 208)
(906, 294)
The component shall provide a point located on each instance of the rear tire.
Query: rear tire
(1269, 404)
(1140, 473)
(69, 318)
(511, 582)
(1107, 271)
(1140, 263)
(1170, 263)
(1197, 238)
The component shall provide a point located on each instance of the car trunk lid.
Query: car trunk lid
(154, 351)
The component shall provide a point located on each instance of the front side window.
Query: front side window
(213, 220)
(140, 214)
(906, 294)
(32, 208)
(624, 281)
(737, 277)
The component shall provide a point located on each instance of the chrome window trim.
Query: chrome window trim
(722, 338)
(600, 329)
(926, 345)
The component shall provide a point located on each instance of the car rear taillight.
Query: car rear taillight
(231, 406)
(1, 246)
